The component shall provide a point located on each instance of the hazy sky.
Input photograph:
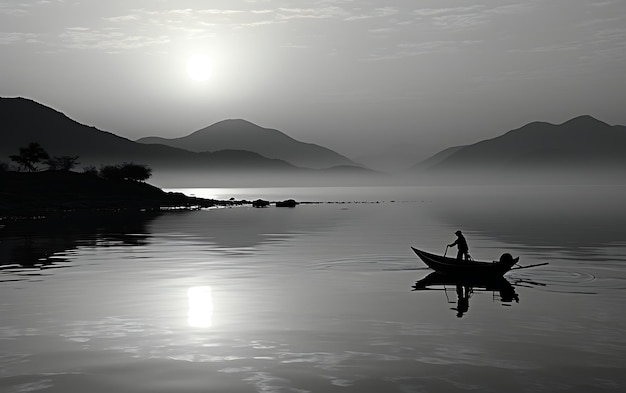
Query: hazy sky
(355, 76)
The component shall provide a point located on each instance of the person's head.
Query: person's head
(458, 233)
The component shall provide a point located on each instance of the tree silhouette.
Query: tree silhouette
(137, 172)
(29, 157)
(63, 163)
(126, 171)
(90, 170)
(110, 172)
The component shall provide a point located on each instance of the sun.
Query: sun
(199, 67)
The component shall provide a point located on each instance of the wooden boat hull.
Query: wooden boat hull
(453, 267)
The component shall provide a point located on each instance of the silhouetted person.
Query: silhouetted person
(461, 244)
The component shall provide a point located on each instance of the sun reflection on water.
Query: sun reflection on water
(200, 312)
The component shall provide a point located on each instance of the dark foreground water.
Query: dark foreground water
(319, 298)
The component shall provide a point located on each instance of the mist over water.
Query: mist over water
(320, 297)
(398, 178)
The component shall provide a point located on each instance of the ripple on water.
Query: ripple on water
(368, 262)
(575, 280)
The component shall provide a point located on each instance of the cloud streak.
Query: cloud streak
(373, 31)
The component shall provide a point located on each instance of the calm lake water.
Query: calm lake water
(319, 298)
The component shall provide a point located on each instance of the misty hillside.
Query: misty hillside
(242, 135)
(25, 121)
(437, 158)
(580, 143)
(394, 157)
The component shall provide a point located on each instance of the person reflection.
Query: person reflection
(463, 293)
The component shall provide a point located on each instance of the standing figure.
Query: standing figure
(461, 244)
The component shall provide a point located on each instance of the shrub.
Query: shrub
(63, 163)
(137, 172)
(90, 170)
(126, 171)
(110, 172)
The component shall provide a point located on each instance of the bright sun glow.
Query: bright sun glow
(200, 312)
(199, 67)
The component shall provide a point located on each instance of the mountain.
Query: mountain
(24, 121)
(437, 158)
(582, 143)
(240, 134)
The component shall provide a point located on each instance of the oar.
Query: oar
(526, 267)
(444, 254)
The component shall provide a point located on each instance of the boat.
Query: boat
(471, 268)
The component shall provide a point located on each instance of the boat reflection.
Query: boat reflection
(466, 287)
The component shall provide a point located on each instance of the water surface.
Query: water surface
(319, 298)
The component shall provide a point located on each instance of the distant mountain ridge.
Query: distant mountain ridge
(438, 158)
(579, 143)
(239, 134)
(24, 121)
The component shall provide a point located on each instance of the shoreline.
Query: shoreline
(54, 194)
(60, 194)
(57, 193)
